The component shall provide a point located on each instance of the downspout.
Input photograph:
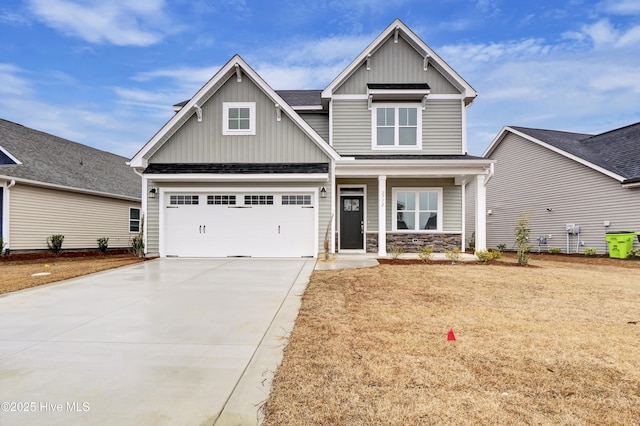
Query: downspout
(143, 202)
(6, 221)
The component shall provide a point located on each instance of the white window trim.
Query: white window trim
(396, 105)
(252, 118)
(139, 220)
(394, 208)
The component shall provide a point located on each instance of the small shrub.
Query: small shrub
(523, 232)
(634, 252)
(1, 246)
(396, 251)
(590, 251)
(425, 254)
(137, 245)
(486, 256)
(472, 241)
(453, 255)
(502, 247)
(554, 250)
(103, 244)
(54, 243)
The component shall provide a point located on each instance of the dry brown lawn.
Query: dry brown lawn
(17, 275)
(558, 344)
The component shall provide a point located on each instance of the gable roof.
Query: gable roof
(421, 47)
(49, 160)
(302, 98)
(615, 153)
(235, 66)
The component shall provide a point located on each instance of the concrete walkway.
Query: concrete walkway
(169, 341)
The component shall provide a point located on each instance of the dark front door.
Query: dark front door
(352, 222)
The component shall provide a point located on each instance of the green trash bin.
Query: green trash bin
(620, 243)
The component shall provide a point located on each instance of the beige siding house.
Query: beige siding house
(587, 183)
(49, 185)
(377, 158)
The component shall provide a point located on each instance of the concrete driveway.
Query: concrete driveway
(169, 341)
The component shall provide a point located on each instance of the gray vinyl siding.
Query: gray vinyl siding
(319, 122)
(451, 193)
(441, 127)
(351, 126)
(37, 213)
(531, 178)
(396, 63)
(324, 213)
(274, 142)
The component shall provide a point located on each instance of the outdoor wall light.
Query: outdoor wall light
(323, 192)
(152, 192)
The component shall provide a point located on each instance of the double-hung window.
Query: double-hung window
(239, 118)
(417, 209)
(397, 126)
(134, 219)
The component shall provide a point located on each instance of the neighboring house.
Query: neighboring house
(49, 185)
(376, 159)
(560, 179)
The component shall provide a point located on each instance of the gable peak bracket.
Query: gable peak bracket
(395, 34)
(198, 112)
(368, 65)
(369, 102)
(278, 112)
(238, 73)
(424, 102)
(426, 62)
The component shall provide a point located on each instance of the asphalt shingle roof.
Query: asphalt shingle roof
(301, 97)
(237, 168)
(50, 159)
(617, 151)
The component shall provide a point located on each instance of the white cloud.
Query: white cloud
(11, 83)
(122, 23)
(12, 18)
(621, 7)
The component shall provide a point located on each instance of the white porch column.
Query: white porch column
(481, 213)
(382, 216)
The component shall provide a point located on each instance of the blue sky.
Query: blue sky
(107, 72)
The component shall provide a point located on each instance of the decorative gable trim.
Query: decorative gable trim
(506, 130)
(240, 69)
(398, 28)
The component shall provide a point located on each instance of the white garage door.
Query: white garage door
(265, 224)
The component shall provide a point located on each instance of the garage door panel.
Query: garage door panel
(258, 230)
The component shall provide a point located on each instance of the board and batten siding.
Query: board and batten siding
(441, 127)
(396, 63)
(531, 178)
(451, 193)
(274, 142)
(319, 122)
(324, 213)
(37, 213)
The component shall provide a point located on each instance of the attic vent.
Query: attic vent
(6, 158)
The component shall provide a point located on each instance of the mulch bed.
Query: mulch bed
(65, 254)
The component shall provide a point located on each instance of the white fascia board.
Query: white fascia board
(68, 188)
(227, 70)
(631, 185)
(307, 108)
(566, 154)
(415, 41)
(245, 177)
(414, 168)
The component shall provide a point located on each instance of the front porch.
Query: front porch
(384, 205)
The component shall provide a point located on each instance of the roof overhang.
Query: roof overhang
(397, 92)
(68, 188)
(506, 130)
(230, 177)
(631, 183)
(461, 170)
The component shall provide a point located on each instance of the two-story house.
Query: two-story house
(377, 159)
